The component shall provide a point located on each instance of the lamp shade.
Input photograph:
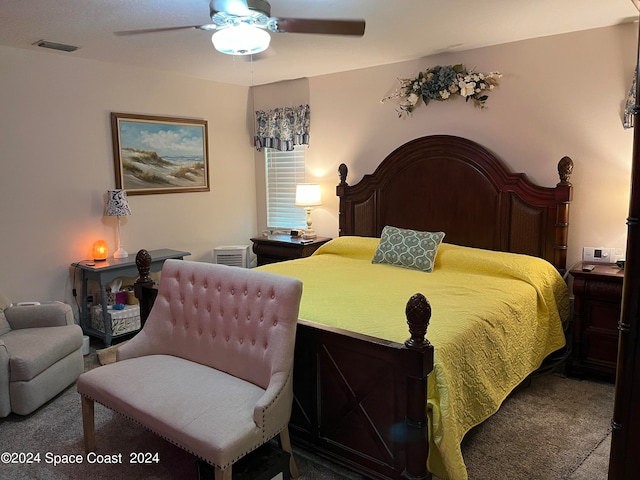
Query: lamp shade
(308, 195)
(117, 204)
(100, 251)
(241, 39)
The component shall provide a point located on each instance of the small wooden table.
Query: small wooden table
(596, 312)
(277, 248)
(104, 272)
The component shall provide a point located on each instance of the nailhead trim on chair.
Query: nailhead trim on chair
(186, 449)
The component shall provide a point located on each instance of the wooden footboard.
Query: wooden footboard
(361, 401)
(358, 400)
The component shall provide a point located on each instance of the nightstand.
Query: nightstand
(277, 248)
(596, 312)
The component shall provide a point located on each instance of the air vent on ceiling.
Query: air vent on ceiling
(56, 46)
(234, 255)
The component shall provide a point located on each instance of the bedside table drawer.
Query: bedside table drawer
(603, 316)
(601, 350)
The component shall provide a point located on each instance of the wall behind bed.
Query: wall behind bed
(560, 95)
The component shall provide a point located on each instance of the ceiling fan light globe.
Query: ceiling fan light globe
(241, 39)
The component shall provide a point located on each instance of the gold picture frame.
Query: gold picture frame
(157, 154)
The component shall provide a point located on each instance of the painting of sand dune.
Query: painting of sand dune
(160, 154)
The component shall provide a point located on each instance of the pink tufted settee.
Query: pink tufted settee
(211, 371)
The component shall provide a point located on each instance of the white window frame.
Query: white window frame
(283, 171)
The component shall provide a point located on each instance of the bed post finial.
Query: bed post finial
(563, 197)
(418, 314)
(342, 172)
(143, 264)
(565, 168)
(144, 284)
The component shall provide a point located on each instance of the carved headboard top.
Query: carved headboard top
(452, 184)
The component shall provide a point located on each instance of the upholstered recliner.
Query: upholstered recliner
(40, 354)
(211, 370)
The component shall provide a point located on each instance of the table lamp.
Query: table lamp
(117, 206)
(308, 196)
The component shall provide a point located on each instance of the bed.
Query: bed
(361, 387)
(372, 399)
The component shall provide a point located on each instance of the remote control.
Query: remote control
(588, 268)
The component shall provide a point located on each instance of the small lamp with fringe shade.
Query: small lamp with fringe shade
(118, 206)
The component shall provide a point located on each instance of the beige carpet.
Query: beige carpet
(554, 429)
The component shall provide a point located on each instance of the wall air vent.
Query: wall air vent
(56, 46)
(234, 255)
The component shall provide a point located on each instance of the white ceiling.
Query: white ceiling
(396, 30)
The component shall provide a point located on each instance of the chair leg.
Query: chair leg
(88, 425)
(285, 444)
(223, 474)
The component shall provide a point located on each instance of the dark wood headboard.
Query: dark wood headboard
(451, 184)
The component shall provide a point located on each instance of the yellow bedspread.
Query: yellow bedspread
(496, 316)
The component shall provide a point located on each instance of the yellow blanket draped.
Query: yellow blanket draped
(496, 316)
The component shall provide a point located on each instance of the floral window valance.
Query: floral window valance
(282, 128)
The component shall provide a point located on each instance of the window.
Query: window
(284, 170)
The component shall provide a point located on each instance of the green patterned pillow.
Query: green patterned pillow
(408, 248)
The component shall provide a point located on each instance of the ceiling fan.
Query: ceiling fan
(241, 27)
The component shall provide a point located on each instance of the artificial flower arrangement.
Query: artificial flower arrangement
(441, 83)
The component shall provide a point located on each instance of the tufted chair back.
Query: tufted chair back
(237, 320)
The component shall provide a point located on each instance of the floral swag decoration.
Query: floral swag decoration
(442, 83)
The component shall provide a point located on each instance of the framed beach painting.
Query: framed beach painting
(156, 154)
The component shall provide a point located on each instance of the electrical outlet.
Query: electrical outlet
(598, 255)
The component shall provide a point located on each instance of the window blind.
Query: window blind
(284, 170)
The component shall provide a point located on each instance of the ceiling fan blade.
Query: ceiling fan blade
(164, 29)
(325, 27)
